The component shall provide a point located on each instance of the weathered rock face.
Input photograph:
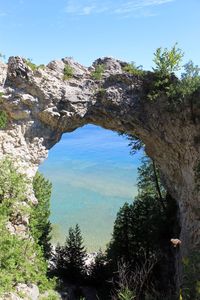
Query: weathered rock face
(41, 106)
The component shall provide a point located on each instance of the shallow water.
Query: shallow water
(93, 175)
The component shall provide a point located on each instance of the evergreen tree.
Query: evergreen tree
(70, 258)
(149, 183)
(121, 239)
(39, 223)
(143, 229)
(138, 227)
(58, 259)
(99, 270)
(75, 253)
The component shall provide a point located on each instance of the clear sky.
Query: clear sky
(87, 29)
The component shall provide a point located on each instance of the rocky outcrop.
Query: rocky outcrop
(41, 106)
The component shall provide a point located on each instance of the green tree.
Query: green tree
(138, 226)
(120, 246)
(70, 258)
(21, 259)
(97, 74)
(132, 69)
(39, 223)
(167, 61)
(149, 183)
(143, 229)
(68, 72)
(99, 270)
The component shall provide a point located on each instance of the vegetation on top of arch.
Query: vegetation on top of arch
(165, 81)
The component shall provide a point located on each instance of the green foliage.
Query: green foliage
(133, 69)
(190, 79)
(191, 276)
(167, 61)
(70, 258)
(134, 142)
(139, 225)
(97, 74)
(142, 230)
(49, 295)
(3, 119)
(42, 66)
(18, 262)
(30, 64)
(39, 222)
(149, 183)
(21, 259)
(12, 188)
(161, 85)
(165, 83)
(68, 72)
(33, 66)
(126, 294)
(99, 270)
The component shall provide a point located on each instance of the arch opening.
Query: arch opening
(93, 175)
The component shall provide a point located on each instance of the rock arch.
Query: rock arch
(41, 106)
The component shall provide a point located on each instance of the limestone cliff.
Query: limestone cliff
(41, 105)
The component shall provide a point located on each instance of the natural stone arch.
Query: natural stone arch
(41, 106)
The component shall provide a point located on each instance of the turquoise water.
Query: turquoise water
(93, 174)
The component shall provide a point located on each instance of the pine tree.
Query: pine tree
(70, 258)
(58, 261)
(99, 270)
(39, 224)
(120, 244)
(142, 230)
(75, 253)
(138, 227)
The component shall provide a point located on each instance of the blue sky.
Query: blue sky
(130, 30)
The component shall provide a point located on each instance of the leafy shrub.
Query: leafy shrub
(167, 61)
(3, 119)
(68, 72)
(133, 69)
(30, 64)
(33, 66)
(18, 262)
(49, 295)
(190, 79)
(97, 74)
(42, 66)
(126, 294)
(191, 278)
(40, 225)
(21, 259)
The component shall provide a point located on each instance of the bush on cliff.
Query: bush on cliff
(21, 258)
(40, 225)
(178, 89)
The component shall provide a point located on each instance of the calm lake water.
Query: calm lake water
(93, 175)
